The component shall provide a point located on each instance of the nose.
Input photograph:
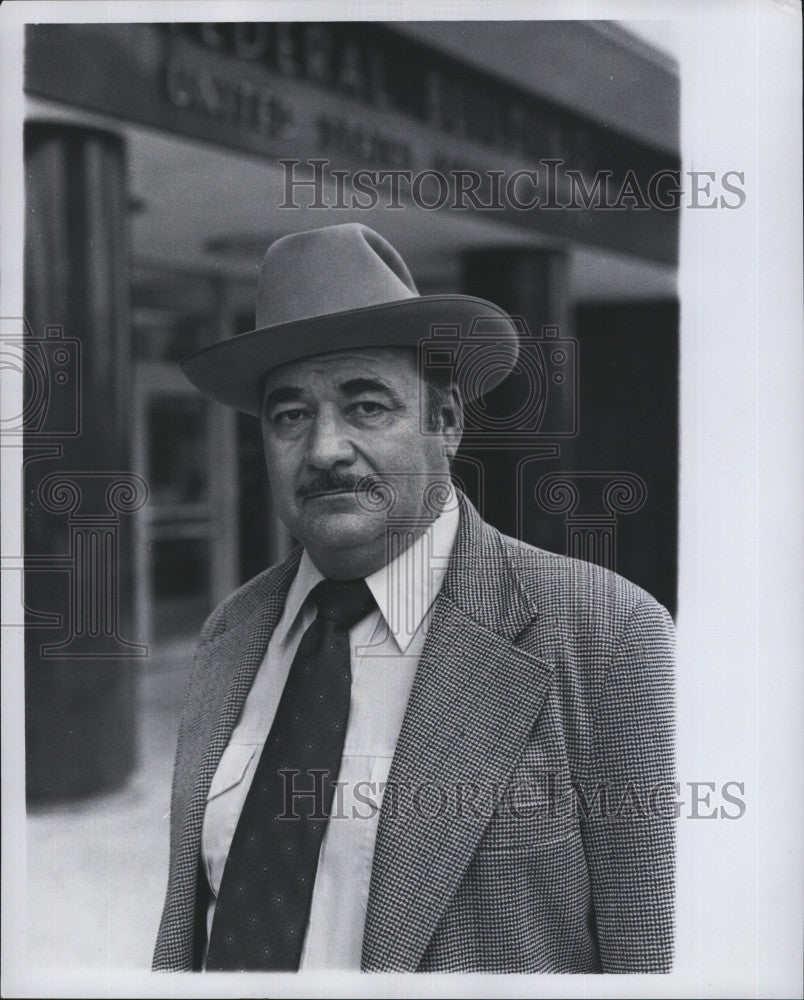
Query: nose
(329, 442)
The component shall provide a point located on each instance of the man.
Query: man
(416, 744)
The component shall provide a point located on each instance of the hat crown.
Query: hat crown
(329, 270)
(341, 288)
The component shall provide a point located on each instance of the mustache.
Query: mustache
(331, 481)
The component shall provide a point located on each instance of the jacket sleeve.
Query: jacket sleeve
(625, 798)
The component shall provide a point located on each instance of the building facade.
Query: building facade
(531, 163)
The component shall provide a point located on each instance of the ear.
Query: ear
(452, 423)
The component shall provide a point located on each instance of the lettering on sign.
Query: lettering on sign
(369, 64)
(239, 101)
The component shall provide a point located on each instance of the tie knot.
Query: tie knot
(344, 602)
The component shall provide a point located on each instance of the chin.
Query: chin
(342, 530)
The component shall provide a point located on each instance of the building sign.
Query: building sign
(363, 97)
(372, 66)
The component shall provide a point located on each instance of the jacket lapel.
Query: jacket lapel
(474, 701)
(224, 672)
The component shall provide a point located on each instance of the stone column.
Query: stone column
(81, 697)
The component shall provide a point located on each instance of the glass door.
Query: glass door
(186, 449)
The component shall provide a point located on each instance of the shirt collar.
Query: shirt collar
(404, 589)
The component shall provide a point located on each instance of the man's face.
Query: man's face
(331, 420)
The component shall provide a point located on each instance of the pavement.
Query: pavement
(97, 868)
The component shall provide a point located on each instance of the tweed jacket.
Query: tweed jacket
(525, 827)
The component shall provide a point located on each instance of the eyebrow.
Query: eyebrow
(282, 394)
(351, 388)
(356, 386)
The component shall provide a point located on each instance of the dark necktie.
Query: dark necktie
(267, 885)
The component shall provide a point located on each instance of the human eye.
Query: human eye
(288, 417)
(369, 408)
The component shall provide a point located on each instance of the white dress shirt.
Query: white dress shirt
(385, 650)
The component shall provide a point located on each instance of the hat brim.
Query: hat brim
(232, 371)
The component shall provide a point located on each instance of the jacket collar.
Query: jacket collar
(482, 579)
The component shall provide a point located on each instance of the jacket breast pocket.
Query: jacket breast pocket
(536, 806)
(516, 830)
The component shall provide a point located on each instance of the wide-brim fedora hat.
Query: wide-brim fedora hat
(341, 288)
